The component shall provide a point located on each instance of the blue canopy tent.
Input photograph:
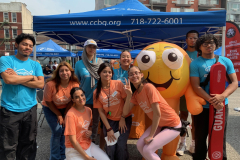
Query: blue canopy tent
(51, 49)
(111, 53)
(219, 52)
(105, 53)
(129, 24)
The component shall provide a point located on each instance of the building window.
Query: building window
(214, 2)
(7, 47)
(14, 33)
(6, 33)
(188, 10)
(107, 2)
(208, 2)
(14, 17)
(175, 9)
(5, 17)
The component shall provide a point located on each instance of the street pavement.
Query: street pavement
(233, 135)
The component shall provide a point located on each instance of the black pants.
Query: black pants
(119, 150)
(201, 123)
(18, 131)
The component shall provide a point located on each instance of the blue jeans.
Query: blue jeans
(57, 144)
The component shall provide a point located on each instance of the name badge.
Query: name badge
(114, 93)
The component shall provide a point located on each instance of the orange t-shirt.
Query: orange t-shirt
(62, 98)
(116, 100)
(76, 123)
(148, 95)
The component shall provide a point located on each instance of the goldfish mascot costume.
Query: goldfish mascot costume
(166, 66)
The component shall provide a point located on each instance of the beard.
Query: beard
(192, 46)
(23, 54)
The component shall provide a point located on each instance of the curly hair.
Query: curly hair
(205, 38)
(56, 78)
(23, 36)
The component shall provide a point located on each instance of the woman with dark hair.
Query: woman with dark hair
(86, 71)
(56, 103)
(109, 98)
(121, 71)
(78, 130)
(157, 109)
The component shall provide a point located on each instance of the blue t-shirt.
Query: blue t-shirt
(192, 55)
(200, 67)
(19, 98)
(84, 77)
(120, 74)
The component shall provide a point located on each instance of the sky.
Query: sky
(52, 7)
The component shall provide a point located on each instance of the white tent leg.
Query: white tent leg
(223, 40)
(35, 47)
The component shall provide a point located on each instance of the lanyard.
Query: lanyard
(108, 97)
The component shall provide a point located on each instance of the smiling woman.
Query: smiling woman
(56, 103)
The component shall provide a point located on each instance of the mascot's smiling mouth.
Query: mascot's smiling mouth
(163, 86)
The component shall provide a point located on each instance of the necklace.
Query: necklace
(108, 97)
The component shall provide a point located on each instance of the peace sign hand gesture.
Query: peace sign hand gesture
(127, 87)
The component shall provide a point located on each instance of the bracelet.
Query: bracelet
(123, 116)
(109, 129)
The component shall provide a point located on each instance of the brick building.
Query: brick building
(15, 19)
(170, 5)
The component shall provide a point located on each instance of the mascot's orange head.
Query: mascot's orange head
(166, 66)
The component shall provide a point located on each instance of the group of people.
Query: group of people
(75, 101)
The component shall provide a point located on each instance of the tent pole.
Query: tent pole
(35, 47)
(223, 40)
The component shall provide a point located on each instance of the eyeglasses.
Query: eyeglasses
(205, 44)
(134, 73)
(192, 38)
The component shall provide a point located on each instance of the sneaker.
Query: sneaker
(182, 147)
(192, 149)
(237, 109)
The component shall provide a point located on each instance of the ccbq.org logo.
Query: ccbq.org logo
(231, 32)
(216, 155)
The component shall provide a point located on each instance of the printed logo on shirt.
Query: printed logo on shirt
(85, 71)
(207, 69)
(84, 125)
(144, 107)
(62, 100)
(23, 72)
(113, 100)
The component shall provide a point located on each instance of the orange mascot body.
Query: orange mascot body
(166, 66)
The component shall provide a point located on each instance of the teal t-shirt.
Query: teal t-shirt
(19, 98)
(200, 67)
(84, 77)
(193, 55)
(120, 74)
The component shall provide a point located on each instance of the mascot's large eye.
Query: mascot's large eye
(146, 59)
(173, 58)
